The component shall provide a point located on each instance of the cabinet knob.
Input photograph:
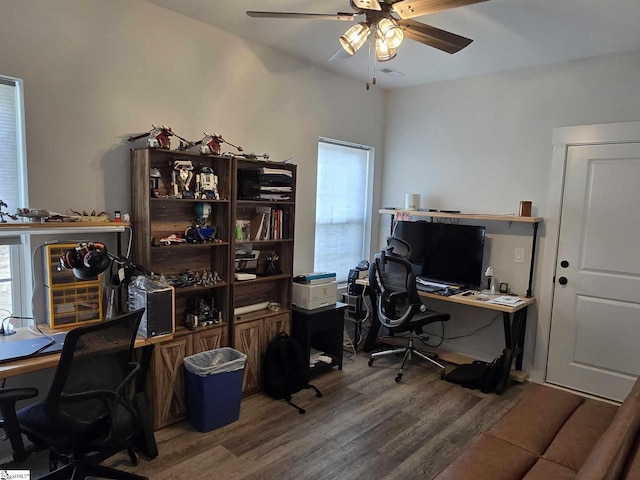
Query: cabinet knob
(564, 264)
(563, 280)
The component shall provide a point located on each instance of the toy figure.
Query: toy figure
(154, 178)
(207, 184)
(3, 214)
(181, 178)
(210, 144)
(158, 137)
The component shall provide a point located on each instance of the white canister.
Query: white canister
(412, 201)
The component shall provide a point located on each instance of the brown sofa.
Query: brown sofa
(555, 435)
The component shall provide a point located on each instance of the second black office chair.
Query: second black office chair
(398, 306)
(88, 414)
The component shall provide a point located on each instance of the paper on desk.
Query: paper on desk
(507, 300)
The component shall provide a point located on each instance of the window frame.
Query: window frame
(20, 245)
(368, 194)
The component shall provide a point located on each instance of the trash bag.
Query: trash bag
(216, 361)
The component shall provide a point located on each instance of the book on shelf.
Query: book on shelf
(243, 230)
(265, 231)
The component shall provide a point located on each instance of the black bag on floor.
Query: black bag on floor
(285, 370)
(478, 374)
(470, 375)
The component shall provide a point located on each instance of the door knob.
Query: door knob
(562, 280)
(564, 264)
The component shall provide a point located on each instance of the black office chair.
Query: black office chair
(89, 412)
(398, 306)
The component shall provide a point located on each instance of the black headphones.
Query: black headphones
(88, 260)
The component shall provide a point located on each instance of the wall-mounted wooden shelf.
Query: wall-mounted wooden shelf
(466, 216)
(59, 228)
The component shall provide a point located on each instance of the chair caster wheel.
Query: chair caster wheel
(370, 362)
(442, 375)
(398, 377)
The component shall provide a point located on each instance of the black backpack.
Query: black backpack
(285, 370)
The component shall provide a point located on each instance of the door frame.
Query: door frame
(563, 138)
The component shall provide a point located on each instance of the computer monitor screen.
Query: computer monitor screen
(445, 252)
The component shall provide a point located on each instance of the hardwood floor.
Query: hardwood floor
(365, 426)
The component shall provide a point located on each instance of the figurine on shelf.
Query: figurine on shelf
(207, 184)
(181, 178)
(5, 214)
(210, 144)
(154, 178)
(249, 156)
(158, 137)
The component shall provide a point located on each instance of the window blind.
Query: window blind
(341, 206)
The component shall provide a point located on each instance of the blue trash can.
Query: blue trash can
(214, 387)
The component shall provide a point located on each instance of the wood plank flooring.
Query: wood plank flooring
(365, 426)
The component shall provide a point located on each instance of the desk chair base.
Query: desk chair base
(80, 471)
(409, 350)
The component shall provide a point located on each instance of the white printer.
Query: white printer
(315, 290)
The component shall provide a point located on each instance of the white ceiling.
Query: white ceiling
(507, 34)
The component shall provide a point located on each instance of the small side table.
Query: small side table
(320, 328)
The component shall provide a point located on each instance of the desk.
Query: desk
(144, 348)
(514, 321)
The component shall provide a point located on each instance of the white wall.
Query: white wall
(483, 144)
(95, 74)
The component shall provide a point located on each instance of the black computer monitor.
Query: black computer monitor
(444, 252)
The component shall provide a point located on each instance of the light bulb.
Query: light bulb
(390, 32)
(355, 37)
(383, 51)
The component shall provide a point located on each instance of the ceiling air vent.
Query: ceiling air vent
(391, 72)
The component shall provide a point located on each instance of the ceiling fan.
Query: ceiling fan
(389, 21)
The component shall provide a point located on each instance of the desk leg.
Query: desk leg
(514, 329)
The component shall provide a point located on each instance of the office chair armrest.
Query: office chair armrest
(8, 399)
(10, 396)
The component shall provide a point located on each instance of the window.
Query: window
(13, 192)
(343, 206)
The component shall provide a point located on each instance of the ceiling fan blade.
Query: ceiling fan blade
(339, 54)
(434, 37)
(317, 16)
(416, 8)
(367, 4)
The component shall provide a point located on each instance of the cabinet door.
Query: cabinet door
(248, 340)
(169, 402)
(210, 339)
(273, 326)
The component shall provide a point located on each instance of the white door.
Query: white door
(594, 345)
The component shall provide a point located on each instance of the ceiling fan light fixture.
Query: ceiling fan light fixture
(355, 37)
(383, 51)
(390, 32)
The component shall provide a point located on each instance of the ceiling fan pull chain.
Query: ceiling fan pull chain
(370, 73)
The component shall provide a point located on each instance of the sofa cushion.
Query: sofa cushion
(490, 458)
(533, 423)
(547, 470)
(608, 457)
(579, 434)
